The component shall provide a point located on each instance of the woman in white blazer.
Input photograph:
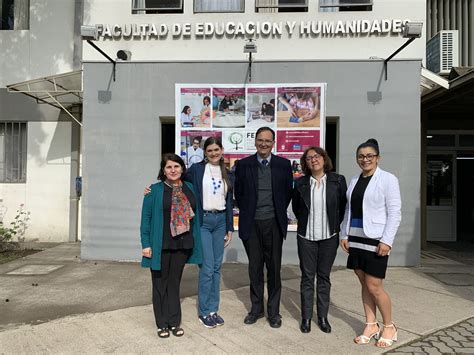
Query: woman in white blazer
(371, 220)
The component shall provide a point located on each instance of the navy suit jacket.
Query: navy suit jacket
(195, 175)
(246, 192)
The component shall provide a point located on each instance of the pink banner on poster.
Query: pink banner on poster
(295, 141)
(308, 89)
(201, 133)
(205, 91)
(261, 90)
(229, 91)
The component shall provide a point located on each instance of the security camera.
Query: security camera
(89, 32)
(124, 55)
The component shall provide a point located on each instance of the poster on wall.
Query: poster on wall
(234, 112)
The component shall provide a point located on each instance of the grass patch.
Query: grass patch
(9, 255)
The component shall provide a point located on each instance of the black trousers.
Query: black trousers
(264, 247)
(166, 282)
(316, 258)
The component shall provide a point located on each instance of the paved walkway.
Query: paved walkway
(60, 304)
(456, 339)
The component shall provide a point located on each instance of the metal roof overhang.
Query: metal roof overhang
(61, 90)
(430, 82)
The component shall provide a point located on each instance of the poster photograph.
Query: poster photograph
(192, 145)
(234, 112)
(195, 107)
(260, 107)
(229, 104)
(299, 107)
(295, 160)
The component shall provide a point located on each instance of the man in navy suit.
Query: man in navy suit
(263, 188)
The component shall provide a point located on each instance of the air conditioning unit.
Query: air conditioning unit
(442, 52)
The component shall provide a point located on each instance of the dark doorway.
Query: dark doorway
(331, 141)
(168, 138)
(465, 192)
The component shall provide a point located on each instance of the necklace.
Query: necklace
(216, 184)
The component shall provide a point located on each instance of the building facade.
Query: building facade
(447, 126)
(38, 143)
(128, 112)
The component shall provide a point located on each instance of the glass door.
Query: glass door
(441, 196)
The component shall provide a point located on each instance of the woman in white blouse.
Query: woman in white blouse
(213, 186)
(319, 201)
(371, 220)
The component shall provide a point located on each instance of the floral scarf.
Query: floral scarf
(181, 211)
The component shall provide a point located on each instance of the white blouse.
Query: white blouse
(214, 189)
(318, 224)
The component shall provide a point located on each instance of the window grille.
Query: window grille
(13, 152)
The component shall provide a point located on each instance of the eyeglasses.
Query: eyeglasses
(367, 157)
(313, 157)
(266, 141)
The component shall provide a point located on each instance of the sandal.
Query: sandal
(385, 341)
(363, 339)
(163, 333)
(177, 331)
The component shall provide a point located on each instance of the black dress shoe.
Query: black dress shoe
(305, 326)
(275, 321)
(324, 325)
(251, 318)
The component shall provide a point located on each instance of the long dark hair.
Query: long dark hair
(173, 157)
(185, 109)
(224, 171)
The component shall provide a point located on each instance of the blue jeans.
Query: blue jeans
(213, 231)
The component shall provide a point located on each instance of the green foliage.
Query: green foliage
(10, 236)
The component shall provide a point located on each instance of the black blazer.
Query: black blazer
(335, 201)
(246, 178)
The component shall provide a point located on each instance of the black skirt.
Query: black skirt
(366, 260)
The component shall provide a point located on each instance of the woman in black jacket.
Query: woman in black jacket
(319, 201)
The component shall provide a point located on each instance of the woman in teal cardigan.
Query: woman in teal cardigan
(170, 237)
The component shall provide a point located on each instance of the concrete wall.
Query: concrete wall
(122, 139)
(45, 49)
(284, 47)
(45, 194)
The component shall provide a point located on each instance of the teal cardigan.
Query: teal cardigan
(151, 228)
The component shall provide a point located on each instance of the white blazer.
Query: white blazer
(381, 207)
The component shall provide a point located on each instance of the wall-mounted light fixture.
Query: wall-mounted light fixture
(250, 47)
(124, 55)
(90, 33)
(410, 30)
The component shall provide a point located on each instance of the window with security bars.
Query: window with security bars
(345, 5)
(14, 14)
(281, 5)
(13, 152)
(219, 6)
(157, 6)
